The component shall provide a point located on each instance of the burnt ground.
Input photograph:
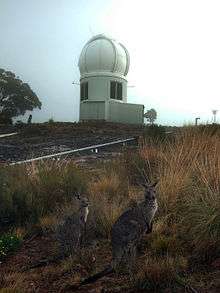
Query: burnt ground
(42, 139)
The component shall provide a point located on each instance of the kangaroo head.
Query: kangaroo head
(150, 191)
(84, 202)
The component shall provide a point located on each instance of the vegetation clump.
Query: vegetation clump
(29, 192)
(186, 231)
(8, 243)
(155, 133)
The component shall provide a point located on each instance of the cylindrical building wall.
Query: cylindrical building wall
(104, 87)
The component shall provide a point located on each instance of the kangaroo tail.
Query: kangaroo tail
(97, 276)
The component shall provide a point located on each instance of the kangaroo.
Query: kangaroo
(70, 233)
(83, 215)
(128, 230)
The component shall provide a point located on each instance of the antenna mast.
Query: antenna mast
(214, 112)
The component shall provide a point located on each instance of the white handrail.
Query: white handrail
(8, 134)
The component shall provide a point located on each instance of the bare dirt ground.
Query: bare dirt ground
(63, 275)
(59, 276)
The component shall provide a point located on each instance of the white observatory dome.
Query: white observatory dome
(103, 55)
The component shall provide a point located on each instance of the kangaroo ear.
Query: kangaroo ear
(145, 185)
(77, 195)
(154, 184)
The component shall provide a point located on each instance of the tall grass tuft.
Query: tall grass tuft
(189, 189)
(158, 273)
(109, 196)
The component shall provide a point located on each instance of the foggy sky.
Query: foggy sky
(174, 48)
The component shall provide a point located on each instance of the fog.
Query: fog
(174, 48)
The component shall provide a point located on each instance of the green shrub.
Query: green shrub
(28, 192)
(8, 243)
(51, 121)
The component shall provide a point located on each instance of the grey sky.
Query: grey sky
(174, 48)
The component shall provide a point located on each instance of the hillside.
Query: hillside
(180, 255)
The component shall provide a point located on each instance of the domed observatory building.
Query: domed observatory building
(103, 65)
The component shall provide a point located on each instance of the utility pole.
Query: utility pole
(214, 112)
(196, 120)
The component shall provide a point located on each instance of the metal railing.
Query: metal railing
(8, 134)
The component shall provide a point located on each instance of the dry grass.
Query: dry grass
(12, 283)
(189, 189)
(156, 273)
(28, 192)
(9, 290)
(107, 196)
(187, 224)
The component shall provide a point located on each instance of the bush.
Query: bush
(8, 243)
(51, 121)
(158, 273)
(28, 192)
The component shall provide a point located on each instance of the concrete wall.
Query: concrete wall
(112, 111)
(93, 110)
(125, 113)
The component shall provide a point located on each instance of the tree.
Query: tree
(16, 96)
(151, 115)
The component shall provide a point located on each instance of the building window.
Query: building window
(116, 90)
(84, 91)
(119, 90)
